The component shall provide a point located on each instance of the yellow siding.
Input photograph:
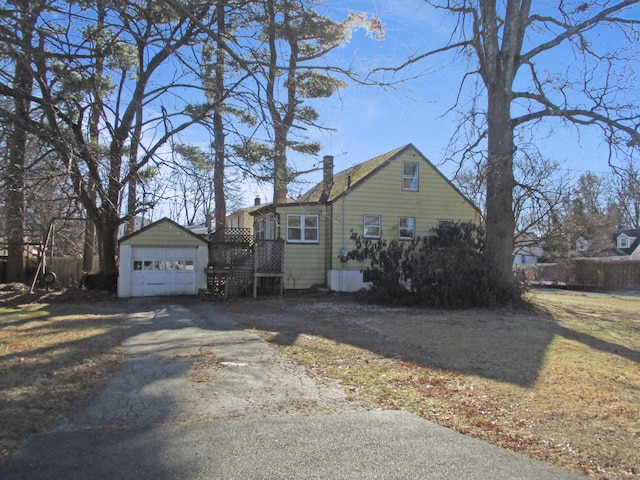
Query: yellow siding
(304, 263)
(164, 234)
(241, 219)
(382, 194)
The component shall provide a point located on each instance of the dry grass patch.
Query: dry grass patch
(52, 358)
(559, 381)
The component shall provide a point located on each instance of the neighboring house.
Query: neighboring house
(162, 258)
(527, 255)
(582, 245)
(627, 243)
(398, 195)
(625, 247)
(529, 250)
(240, 218)
(200, 228)
(138, 223)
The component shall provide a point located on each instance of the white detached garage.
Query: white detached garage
(162, 258)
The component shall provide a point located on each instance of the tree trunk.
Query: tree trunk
(132, 197)
(499, 59)
(15, 205)
(88, 250)
(107, 245)
(218, 126)
(280, 180)
(17, 146)
(280, 125)
(500, 183)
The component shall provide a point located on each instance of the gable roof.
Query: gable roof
(358, 174)
(179, 230)
(632, 247)
(351, 177)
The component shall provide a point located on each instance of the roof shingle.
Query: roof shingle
(350, 177)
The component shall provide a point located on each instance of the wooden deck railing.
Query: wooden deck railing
(269, 256)
(236, 260)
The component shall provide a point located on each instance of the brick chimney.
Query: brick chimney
(327, 177)
(256, 202)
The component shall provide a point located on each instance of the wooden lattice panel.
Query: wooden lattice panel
(269, 256)
(229, 255)
(238, 236)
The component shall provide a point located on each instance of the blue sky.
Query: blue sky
(369, 121)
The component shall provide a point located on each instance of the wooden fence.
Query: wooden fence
(68, 270)
(586, 272)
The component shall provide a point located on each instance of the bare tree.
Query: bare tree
(510, 47)
(538, 195)
(138, 105)
(586, 212)
(625, 192)
(193, 178)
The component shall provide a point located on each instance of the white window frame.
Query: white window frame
(623, 241)
(303, 228)
(411, 222)
(409, 179)
(371, 221)
(260, 230)
(582, 245)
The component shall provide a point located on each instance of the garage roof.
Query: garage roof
(164, 233)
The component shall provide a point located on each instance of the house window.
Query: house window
(371, 226)
(302, 228)
(410, 176)
(444, 223)
(406, 228)
(260, 229)
(581, 245)
(623, 242)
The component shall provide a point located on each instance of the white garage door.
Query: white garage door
(163, 271)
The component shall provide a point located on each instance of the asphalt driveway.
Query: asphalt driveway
(196, 397)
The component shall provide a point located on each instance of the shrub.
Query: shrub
(443, 270)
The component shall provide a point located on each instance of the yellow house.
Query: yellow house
(242, 218)
(397, 195)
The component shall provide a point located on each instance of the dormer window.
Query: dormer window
(623, 241)
(582, 245)
(410, 176)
